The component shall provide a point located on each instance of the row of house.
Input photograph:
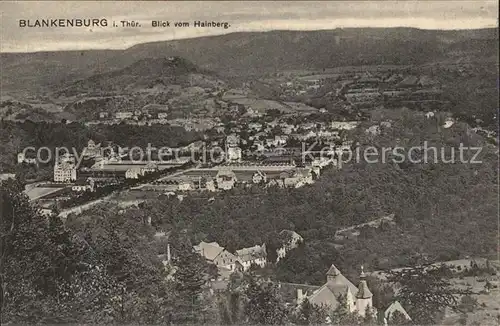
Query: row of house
(128, 115)
(243, 259)
(396, 86)
(225, 178)
(137, 172)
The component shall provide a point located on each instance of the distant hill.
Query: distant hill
(255, 52)
(144, 73)
(172, 84)
(40, 71)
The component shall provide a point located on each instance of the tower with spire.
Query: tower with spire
(364, 295)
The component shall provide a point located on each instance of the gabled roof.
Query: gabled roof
(338, 282)
(251, 253)
(336, 285)
(209, 250)
(290, 236)
(396, 306)
(333, 271)
(324, 296)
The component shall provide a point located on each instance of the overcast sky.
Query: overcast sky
(243, 16)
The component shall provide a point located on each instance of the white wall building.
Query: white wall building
(226, 179)
(124, 115)
(253, 255)
(234, 154)
(64, 172)
(290, 240)
(344, 125)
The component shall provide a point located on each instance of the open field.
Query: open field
(488, 310)
(39, 192)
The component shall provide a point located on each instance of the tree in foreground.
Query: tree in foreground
(51, 274)
(264, 305)
(189, 279)
(309, 314)
(398, 319)
(425, 293)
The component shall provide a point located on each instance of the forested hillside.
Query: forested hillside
(251, 53)
(16, 136)
(442, 211)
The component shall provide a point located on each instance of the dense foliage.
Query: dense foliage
(16, 136)
(426, 292)
(442, 211)
(93, 270)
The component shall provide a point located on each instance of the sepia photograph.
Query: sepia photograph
(249, 163)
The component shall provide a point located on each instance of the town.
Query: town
(255, 147)
(283, 177)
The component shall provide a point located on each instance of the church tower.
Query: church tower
(364, 296)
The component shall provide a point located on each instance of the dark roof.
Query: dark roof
(363, 291)
(275, 159)
(81, 182)
(289, 290)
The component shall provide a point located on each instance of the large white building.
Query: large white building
(64, 172)
(92, 150)
(65, 169)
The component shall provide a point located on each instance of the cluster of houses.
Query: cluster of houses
(365, 87)
(146, 117)
(301, 85)
(228, 177)
(260, 137)
(243, 259)
(336, 291)
(133, 115)
(395, 87)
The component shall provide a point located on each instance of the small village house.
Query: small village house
(226, 179)
(289, 240)
(216, 254)
(255, 255)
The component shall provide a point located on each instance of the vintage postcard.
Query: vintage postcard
(249, 162)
